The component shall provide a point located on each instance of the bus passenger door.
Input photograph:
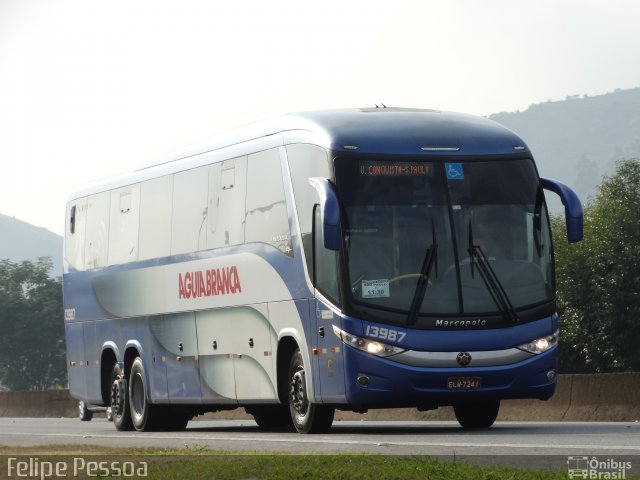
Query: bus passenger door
(177, 335)
(327, 352)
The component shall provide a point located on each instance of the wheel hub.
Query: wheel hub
(298, 393)
(117, 397)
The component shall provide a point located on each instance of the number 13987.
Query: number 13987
(384, 333)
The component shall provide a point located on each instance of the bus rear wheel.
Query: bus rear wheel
(477, 415)
(119, 400)
(307, 417)
(144, 415)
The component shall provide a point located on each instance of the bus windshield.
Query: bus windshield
(421, 237)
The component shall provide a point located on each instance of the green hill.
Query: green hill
(578, 140)
(22, 241)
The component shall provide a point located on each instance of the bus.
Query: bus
(348, 259)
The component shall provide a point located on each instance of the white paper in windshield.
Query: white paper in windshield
(375, 288)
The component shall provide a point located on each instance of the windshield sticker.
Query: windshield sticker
(375, 288)
(454, 171)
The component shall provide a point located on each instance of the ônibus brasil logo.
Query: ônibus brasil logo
(207, 283)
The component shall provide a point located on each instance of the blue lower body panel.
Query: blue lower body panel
(392, 384)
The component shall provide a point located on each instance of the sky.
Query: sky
(93, 88)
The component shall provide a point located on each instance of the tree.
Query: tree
(599, 279)
(32, 347)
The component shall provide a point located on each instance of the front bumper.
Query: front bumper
(374, 382)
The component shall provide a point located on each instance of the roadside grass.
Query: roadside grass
(331, 467)
(198, 462)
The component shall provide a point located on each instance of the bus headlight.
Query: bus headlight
(373, 347)
(540, 345)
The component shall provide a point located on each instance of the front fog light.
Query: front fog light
(370, 346)
(540, 345)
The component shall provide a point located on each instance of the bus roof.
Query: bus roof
(414, 131)
(399, 131)
(376, 130)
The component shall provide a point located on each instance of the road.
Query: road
(516, 443)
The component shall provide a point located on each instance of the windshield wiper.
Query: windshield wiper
(430, 258)
(490, 279)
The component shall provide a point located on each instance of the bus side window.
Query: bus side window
(267, 219)
(306, 161)
(96, 242)
(189, 210)
(227, 198)
(123, 225)
(325, 271)
(156, 199)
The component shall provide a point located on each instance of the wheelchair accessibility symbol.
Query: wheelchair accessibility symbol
(454, 171)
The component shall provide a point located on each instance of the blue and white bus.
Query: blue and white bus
(343, 259)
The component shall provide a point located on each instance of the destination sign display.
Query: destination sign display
(395, 169)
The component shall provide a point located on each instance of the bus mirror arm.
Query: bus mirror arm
(572, 207)
(329, 211)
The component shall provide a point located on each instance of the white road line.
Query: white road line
(329, 441)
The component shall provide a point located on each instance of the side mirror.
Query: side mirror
(329, 212)
(572, 207)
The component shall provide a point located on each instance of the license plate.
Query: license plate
(463, 383)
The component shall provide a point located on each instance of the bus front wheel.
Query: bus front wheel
(307, 417)
(119, 401)
(477, 415)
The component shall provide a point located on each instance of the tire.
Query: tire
(119, 400)
(271, 417)
(307, 417)
(84, 413)
(145, 416)
(477, 415)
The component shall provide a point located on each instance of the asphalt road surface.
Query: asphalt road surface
(529, 444)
